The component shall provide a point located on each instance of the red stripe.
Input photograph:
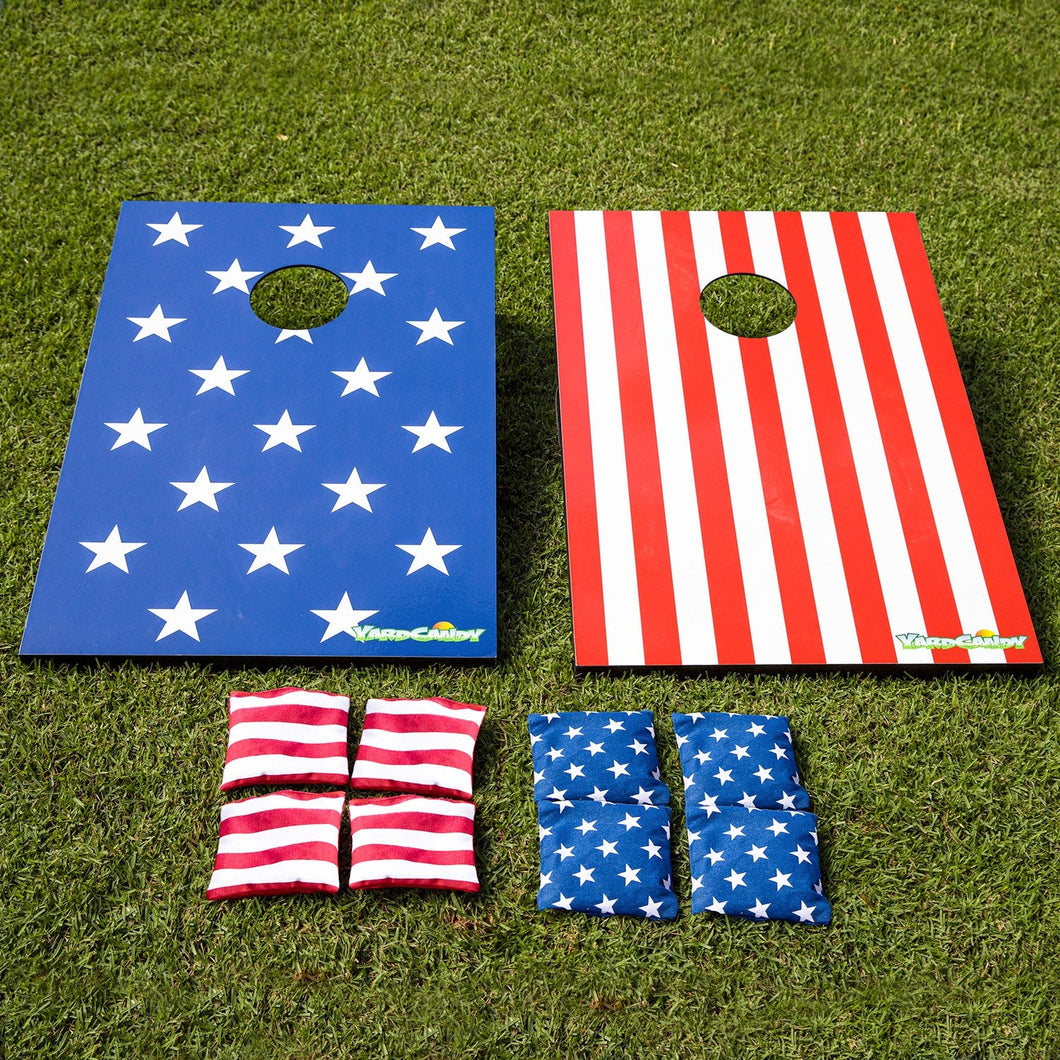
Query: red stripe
(431, 882)
(244, 890)
(410, 820)
(452, 704)
(416, 723)
(587, 594)
(286, 778)
(291, 713)
(275, 693)
(732, 629)
(778, 487)
(437, 756)
(250, 823)
(980, 501)
(907, 477)
(383, 784)
(294, 748)
(413, 853)
(326, 853)
(651, 547)
(875, 637)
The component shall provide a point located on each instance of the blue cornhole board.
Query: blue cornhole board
(234, 491)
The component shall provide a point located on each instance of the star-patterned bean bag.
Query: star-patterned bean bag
(599, 755)
(739, 760)
(605, 859)
(758, 864)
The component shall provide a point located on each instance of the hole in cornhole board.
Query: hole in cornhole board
(748, 305)
(299, 297)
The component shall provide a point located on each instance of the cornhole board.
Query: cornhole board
(233, 490)
(816, 498)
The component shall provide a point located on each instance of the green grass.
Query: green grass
(939, 799)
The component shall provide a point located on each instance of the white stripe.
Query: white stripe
(284, 766)
(330, 700)
(835, 615)
(279, 801)
(411, 837)
(425, 706)
(414, 804)
(764, 608)
(289, 732)
(618, 565)
(418, 741)
(936, 462)
(396, 869)
(274, 838)
(900, 595)
(695, 624)
(437, 776)
(280, 872)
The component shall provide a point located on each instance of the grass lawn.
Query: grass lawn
(939, 798)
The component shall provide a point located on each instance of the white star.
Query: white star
(802, 855)
(776, 827)
(756, 729)
(619, 769)
(565, 852)
(638, 748)
(428, 553)
(651, 909)
(156, 324)
(740, 752)
(764, 774)
(538, 777)
(716, 906)
(575, 771)
(688, 782)
(293, 333)
(720, 734)
(233, 278)
(181, 618)
(201, 491)
(723, 776)
(781, 879)
(342, 619)
(135, 430)
(599, 795)
(270, 553)
(551, 717)
(682, 740)
(284, 432)
(585, 875)
(431, 433)
(614, 725)
(805, 913)
(715, 856)
(174, 229)
(306, 232)
(697, 882)
(438, 235)
(563, 902)
(435, 328)
(368, 280)
(756, 853)
(652, 850)
(733, 831)
(607, 847)
(693, 837)
(631, 875)
(542, 831)
(787, 802)
(607, 906)
(361, 378)
(736, 879)
(554, 753)
(747, 801)
(586, 827)
(219, 377)
(546, 879)
(643, 796)
(702, 757)
(555, 793)
(353, 491)
(572, 732)
(779, 752)
(630, 821)
(112, 551)
(760, 908)
(710, 804)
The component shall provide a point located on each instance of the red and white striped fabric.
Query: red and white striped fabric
(420, 745)
(411, 841)
(283, 843)
(816, 497)
(286, 736)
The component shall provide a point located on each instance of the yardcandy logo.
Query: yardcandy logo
(440, 632)
(985, 638)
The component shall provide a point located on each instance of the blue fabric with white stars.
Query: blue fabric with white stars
(739, 760)
(604, 756)
(606, 859)
(757, 864)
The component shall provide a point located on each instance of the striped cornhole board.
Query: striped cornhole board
(819, 497)
(412, 841)
(283, 843)
(286, 736)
